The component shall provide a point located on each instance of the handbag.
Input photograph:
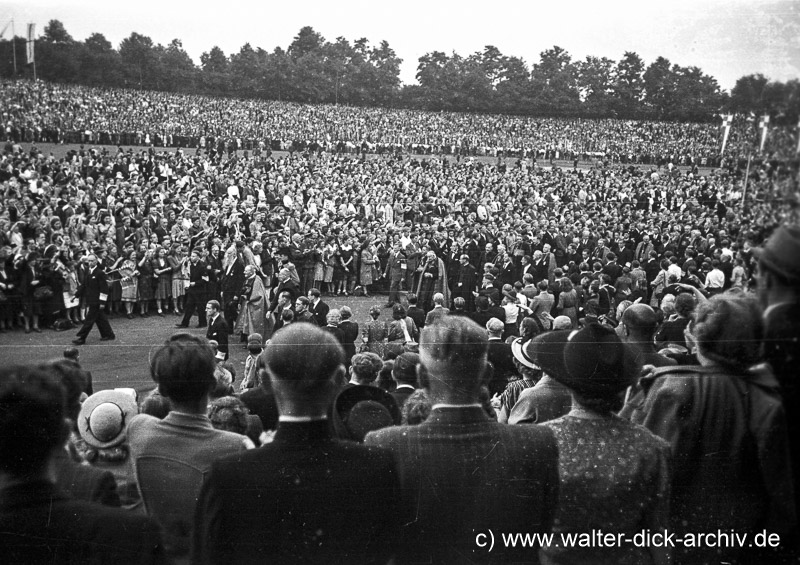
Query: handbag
(43, 293)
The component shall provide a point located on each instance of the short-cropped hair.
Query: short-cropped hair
(32, 411)
(183, 368)
(303, 356)
(456, 340)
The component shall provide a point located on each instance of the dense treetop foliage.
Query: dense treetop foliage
(314, 70)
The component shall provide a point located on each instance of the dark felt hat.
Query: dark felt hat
(361, 409)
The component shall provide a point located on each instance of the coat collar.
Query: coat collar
(302, 432)
(456, 416)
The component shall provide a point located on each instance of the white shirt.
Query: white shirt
(715, 279)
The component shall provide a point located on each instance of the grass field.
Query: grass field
(124, 362)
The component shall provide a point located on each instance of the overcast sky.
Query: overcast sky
(726, 39)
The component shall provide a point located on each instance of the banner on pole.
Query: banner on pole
(798, 137)
(764, 125)
(30, 42)
(727, 120)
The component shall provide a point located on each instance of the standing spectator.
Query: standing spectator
(130, 282)
(349, 330)
(179, 449)
(727, 429)
(629, 465)
(458, 450)
(163, 272)
(779, 291)
(373, 333)
(368, 270)
(303, 485)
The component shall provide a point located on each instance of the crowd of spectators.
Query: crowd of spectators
(49, 112)
(562, 350)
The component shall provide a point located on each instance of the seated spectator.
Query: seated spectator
(459, 450)
(179, 449)
(65, 530)
(304, 484)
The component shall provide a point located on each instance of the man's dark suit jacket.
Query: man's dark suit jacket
(218, 331)
(304, 498)
(320, 312)
(39, 524)
(84, 482)
(401, 394)
(418, 315)
(335, 332)
(461, 472)
(93, 286)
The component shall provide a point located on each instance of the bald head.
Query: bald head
(641, 320)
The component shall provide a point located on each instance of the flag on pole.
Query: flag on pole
(727, 120)
(31, 34)
(764, 125)
(798, 137)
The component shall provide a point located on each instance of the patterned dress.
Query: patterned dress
(614, 477)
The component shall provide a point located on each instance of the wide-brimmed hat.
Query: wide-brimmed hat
(361, 409)
(592, 361)
(520, 352)
(104, 417)
(781, 253)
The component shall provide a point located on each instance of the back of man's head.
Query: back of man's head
(303, 360)
(641, 321)
(453, 354)
(184, 368)
(404, 369)
(32, 412)
(365, 367)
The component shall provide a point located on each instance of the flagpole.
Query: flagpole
(14, 46)
(746, 176)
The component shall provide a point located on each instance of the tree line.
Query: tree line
(314, 70)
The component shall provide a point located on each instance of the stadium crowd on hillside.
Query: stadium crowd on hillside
(48, 112)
